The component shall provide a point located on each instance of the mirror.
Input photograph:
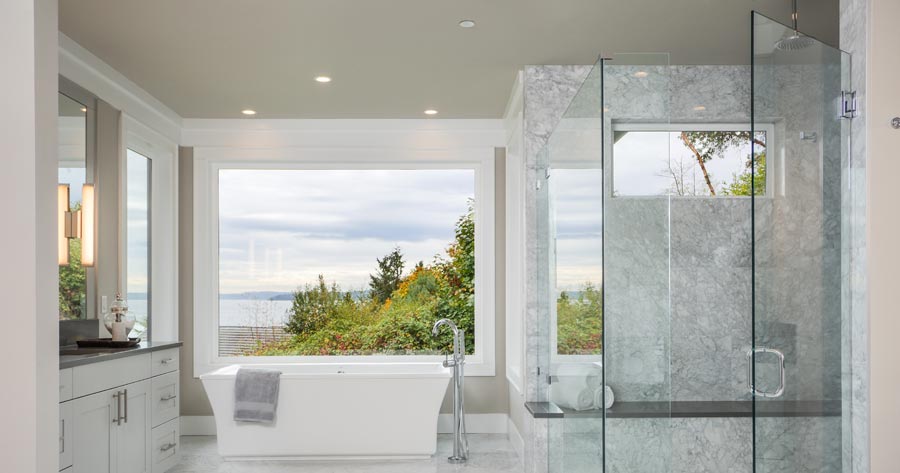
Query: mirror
(75, 191)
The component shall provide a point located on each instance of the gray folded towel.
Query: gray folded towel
(256, 395)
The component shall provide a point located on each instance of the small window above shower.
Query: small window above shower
(696, 160)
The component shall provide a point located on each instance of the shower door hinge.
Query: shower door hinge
(848, 104)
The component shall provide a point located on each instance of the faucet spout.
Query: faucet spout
(437, 327)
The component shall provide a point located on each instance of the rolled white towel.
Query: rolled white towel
(590, 373)
(573, 394)
(598, 397)
(594, 380)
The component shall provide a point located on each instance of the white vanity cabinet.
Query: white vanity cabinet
(114, 420)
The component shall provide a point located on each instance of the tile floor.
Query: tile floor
(488, 453)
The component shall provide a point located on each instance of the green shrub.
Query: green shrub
(580, 322)
(325, 321)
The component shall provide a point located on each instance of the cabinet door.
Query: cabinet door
(65, 435)
(94, 433)
(132, 454)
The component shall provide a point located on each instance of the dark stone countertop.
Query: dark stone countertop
(71, 361)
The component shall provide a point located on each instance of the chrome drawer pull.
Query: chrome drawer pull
(166, 361)
(118, 419)
(168, 398)
(167, 447)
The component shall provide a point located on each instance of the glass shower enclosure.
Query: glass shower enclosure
(697, 226)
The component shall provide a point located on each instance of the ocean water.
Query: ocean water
(253, 312)
(236, 312)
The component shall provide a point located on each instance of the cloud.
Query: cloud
(280, 229)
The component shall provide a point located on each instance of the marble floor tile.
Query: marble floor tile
(488, 453)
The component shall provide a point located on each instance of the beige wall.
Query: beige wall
(484, 394)
(28, 281)
(883, 161)
(107, 180)
(193, 398)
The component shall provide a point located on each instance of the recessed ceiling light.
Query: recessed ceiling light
(431, 111)
(467, 24)
(248, 112)
(640, 74)
(699, 108)
(83, 109)
(323, 79)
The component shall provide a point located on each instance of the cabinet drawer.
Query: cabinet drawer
(89, 379)
(166, 445)
(66, 441)
(164, 399)
(164, 361)
(65, 384)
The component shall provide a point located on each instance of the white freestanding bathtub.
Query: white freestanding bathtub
(327, 411)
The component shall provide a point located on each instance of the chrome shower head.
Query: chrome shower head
(794, 42)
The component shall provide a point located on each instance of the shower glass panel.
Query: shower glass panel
(703, 246)
(637, 271)
(677, 264)
(574, 177)
(798, 251)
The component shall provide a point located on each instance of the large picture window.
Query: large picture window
(345, 261)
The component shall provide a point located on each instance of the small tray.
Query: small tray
(108, 343)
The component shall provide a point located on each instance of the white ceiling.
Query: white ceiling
(395, 58)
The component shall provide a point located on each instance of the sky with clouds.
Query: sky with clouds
(280, 229)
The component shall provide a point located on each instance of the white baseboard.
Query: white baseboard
(515, 438)
(198, 425)
(475, 424)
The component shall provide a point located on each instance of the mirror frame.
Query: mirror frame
(88, 100)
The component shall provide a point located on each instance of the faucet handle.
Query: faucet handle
(448, 362)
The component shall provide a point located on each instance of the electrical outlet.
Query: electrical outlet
(104, 304)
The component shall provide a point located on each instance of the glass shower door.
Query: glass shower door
(799, 353)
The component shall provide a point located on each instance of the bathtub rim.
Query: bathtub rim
(370, 370)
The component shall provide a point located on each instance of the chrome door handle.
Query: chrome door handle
(125, 395)
(62, 437)
(167, 361)
(168, 398)
(167, 447)
(751, 355)
(118, 419)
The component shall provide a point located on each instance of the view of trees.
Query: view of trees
(395, 315)
(708, 145)
(73, 283)
(579, 322)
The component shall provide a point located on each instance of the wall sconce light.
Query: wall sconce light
(75, 224)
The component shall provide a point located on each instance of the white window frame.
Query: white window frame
(773, 160)
(209, 161)
(163, 238)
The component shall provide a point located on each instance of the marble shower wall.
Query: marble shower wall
(854, 20)
(548, 90)
(677, 274)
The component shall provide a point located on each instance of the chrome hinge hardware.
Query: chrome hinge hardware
(849, 108)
